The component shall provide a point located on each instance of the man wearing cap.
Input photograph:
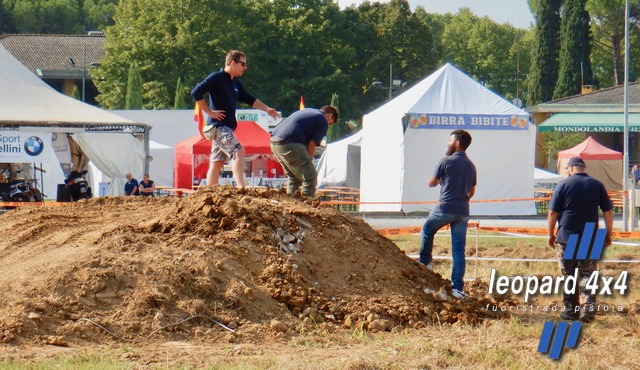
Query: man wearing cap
(574, 203)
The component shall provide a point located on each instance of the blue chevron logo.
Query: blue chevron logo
(585, 244)
(564, 335)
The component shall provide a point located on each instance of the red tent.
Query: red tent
(192, 155)
(602, 163)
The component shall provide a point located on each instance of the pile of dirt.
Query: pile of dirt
(257, 262)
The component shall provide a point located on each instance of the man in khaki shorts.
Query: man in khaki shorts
(225, 90)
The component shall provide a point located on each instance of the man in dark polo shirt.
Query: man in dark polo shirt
(225, 91)
(574, 203)
(457, 176)
(294, 142)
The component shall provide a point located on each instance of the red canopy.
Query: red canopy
(253, 138)
(590, 149)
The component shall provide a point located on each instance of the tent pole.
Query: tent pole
(193, 165)
(625, 163)
(146, 149)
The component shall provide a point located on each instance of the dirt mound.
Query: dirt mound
(257, 261)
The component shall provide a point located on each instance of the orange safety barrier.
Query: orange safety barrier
(414, 229)
(334, 202)
(616, 234)
(31, 204)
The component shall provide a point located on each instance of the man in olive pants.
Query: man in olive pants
(294, 142)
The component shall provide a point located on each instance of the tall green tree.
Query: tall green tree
(179, 98)
(98, 14)
(607, 26)
(6, 20)
(575, 50)
(168, 41)
(544, 56)
(400, 39)
(133, 99)
(490, 52)
(47, 16)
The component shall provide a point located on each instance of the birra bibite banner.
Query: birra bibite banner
(468, 121)
(24, 147)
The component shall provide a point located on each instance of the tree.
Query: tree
(168, 41)
(575, 50)
(134, 88)
(75, 93)
(489, 52)
(607, 25)
(179, 101)
(98, 14)
(544, 56)
(6, 20)
(47, 16)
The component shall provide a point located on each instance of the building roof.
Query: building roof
(51, 56)
(611, 95)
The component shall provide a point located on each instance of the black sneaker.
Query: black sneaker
(587, 315)
(570, 315)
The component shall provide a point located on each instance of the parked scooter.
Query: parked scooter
(17, 190)
(78, 186)
(13, 189)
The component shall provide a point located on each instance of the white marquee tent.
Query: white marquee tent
(405, 139)
(29, 104)
(339, 164)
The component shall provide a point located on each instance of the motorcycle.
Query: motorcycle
(78, 186)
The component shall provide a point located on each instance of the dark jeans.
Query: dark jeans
(435, 221)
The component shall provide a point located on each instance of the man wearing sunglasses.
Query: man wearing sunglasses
(225, 90)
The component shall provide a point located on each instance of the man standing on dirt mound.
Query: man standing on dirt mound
(457, 176)
(575, 201)
(225, 90)
(294, 142)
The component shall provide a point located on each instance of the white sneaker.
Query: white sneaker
(460, 294)
(429, 266)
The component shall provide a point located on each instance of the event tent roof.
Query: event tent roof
(26, 100)
(590, 149)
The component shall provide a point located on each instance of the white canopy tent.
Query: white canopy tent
(29, 104)
(405, 139)
(543, 177)
(339, 164)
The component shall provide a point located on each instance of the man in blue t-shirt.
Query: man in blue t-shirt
(294, 142)
(457, 176)
(574, 203)
(225, 90)
(131, 186)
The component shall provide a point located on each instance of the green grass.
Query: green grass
(83, 361)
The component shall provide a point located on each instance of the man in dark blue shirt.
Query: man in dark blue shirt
(131, 187)
(225, 90)
(294, 142)
(457, 176)
(574, 203)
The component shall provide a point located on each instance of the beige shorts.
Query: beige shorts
(224, 146)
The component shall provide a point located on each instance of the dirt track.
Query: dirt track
(261, 263)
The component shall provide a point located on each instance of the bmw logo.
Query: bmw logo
(33, 146)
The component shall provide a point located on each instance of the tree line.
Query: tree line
(312, 48)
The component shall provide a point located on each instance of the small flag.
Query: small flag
(199, 118)
(301, 103)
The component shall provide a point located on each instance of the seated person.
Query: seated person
(131, 187)
(146, 186)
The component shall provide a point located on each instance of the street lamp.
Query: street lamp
(393, 84)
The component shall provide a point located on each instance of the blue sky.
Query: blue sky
(515, 12)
